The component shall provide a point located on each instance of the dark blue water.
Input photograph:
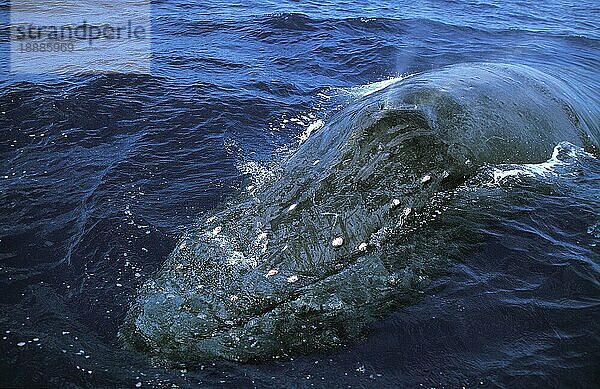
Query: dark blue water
(101, 173)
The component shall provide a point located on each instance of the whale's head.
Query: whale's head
(345, 230)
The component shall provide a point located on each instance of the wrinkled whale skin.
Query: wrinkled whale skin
(260, 278)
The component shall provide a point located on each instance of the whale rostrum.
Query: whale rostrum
(342, 234)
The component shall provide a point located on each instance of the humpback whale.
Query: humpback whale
(341, 235)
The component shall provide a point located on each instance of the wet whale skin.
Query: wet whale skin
(260, 278)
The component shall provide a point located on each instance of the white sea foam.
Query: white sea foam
(369, 89)
(314, 126)
(563, 155)
(366, 90)
(258, 172)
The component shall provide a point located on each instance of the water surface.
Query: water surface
(101, 173)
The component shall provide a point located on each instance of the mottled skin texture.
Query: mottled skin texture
(258, 279)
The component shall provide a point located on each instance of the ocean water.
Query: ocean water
(100, 174)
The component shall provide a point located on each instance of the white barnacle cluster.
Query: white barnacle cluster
(290, 279)
(271, 273)
(337, 242)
